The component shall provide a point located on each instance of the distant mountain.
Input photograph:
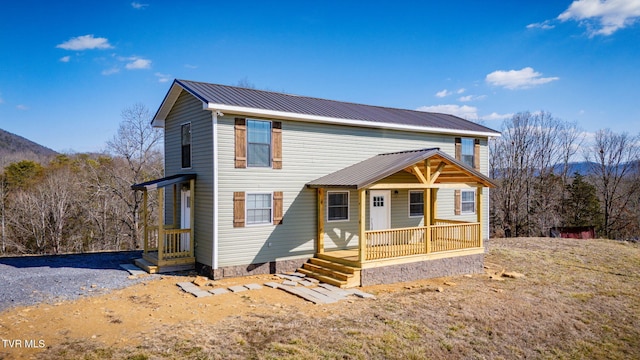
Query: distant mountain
(15, 148)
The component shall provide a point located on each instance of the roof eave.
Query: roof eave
(282, 115)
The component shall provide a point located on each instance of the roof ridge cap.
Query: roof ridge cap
(410, 151)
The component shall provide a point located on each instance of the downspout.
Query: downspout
(214, 127)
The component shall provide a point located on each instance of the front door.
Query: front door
(379, 209)
(185, 218)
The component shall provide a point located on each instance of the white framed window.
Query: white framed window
(258, 143)
(416, 203)
(259, 208)
(337, 206)
(467, 152)
(185, 140)
(467, 202)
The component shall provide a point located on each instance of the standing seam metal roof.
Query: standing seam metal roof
(267, 100)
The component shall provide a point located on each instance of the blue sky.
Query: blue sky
(68, 68)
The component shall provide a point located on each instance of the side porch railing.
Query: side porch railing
(446, 235)
(175, 245)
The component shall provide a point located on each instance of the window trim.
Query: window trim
(190, 146)
(270, 158)
(348, 205)
(246, 208)
(475, 206)
(409, 203)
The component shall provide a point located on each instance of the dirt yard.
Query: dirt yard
(578, 299)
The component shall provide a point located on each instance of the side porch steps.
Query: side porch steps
(152, 268)
(332, 273)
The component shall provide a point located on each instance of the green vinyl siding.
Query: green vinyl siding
(188, 109)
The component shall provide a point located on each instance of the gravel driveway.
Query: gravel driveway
(33, 279)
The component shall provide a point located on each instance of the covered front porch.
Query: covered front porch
(379, 244)
(169, 246)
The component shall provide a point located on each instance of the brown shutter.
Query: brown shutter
(458, 202)
(276, 139)
(458, 148)
(238, 209)
(277, 207)
(476, 154)
(241, 142)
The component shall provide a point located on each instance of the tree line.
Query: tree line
(537, 190)
(80, 202)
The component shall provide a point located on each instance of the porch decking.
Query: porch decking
(175, 253)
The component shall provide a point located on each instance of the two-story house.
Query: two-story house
(262, 182)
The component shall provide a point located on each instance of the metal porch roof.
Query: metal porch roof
(367, 172)
(165, 181)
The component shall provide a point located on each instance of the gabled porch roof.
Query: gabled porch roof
(443, 169)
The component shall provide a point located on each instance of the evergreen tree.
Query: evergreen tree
(583, 206)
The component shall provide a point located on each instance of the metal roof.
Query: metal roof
(367, 172)
(165, 181)
(215, 94)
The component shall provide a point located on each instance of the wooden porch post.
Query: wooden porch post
(145, 211)
(160, 222)
(479, 213)
(362, 221)
(192, 218)
(434, 205)
(427, 206)
(320, 234)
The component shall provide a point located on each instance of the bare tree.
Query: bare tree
(137, 144)
(614, 158)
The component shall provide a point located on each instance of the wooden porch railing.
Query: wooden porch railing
(446, 235)
(177, 242)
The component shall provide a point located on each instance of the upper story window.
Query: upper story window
(467, 154)
(186, 145)
(258, 143)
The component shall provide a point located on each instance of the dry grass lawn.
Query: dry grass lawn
(579, 299)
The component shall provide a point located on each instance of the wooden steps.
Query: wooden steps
(333, 273)
(165, 267)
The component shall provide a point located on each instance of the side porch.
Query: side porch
(168, 246)
(382, 248)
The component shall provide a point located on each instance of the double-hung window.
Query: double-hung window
(468, 201)
(416, 203)
(258, 143)
(338, 207)
(259, 208)
(467, 152)
(186, 145)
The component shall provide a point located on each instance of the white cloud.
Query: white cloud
(464, 111)
(85, 42)
(461, 91)
(471, 98)
(65, 59)
(138, 6)
(611, 15)
(138, 63)
(111, 71)
(545, 25)
(443, 93)
(518, 79)
(22, 107)
(189, 66)
(163, 77)
(496, 116)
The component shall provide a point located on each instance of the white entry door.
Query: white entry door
(379, 209)
(185, 218)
